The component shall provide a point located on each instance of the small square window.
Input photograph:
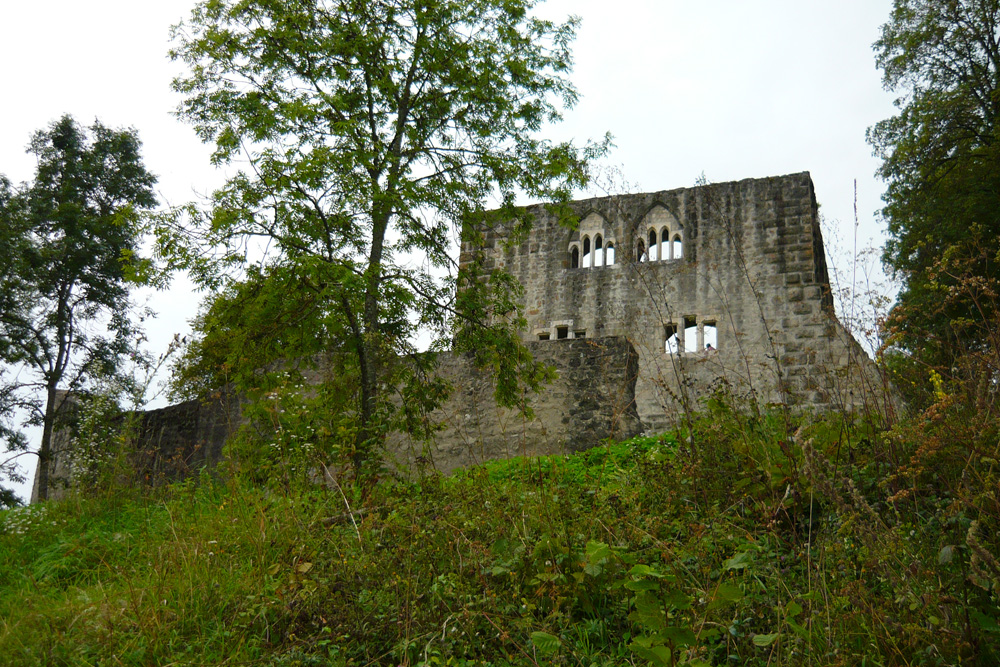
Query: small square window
(580, 334)
(543, 336)
(562, 332)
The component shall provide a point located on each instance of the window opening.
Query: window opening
(672, 341)
(690, 335)
(562, 332)
(652, 245)
(574, 260)
(640, 252)
(587, 257)
(609, 255)
(543, 336)
(677, 248)
(582, 333)
(665, 244)
(598, 251)
(711, 334)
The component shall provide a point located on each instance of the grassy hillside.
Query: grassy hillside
(751, 540)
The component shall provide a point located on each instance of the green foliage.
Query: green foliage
(940, 158)
(71, 255)
(374, 131)
(752, 537)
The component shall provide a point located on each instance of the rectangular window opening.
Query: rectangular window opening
(543, 336)
(580, 334)
(562, 332)
(690, 334)
(672, 342)
(711, 337)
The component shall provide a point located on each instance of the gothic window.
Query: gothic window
(652, 245)
(574, 262)
(598, 251)
(677, 248)
(664, 243)
(640, 252)
(609, 254)
(587, 256)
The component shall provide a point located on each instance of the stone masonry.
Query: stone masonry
(723, 283)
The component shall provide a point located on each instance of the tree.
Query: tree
(941, 159)
(375, 131)
(70, 257)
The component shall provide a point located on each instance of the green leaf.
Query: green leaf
(738, 562)
(726, 594)
(641, 570)
(792, 609)
(765, 640)
(597, 552)
(545, 643)
(680, 636)
(661, 656)
(946, 554)
(987, 623)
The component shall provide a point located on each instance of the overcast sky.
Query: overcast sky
(731, 89)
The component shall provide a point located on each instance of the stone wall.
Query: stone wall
(173, 442)
(742, 267)
(591, 399)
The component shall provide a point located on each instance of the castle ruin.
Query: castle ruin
(643, 304)
(723, 283)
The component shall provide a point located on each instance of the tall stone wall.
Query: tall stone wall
(740, 266)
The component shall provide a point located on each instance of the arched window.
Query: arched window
(574, 258)
(598, 251)
(640, 252)
(677, 248)
(652, 245)
(609, 255)
(587, 256)
(664, 243)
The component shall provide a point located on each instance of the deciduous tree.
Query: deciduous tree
(70, 256)
(371, 132)
(941, 159)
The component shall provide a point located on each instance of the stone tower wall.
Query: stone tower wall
(750, 272)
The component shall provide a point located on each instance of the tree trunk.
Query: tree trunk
(45, 449)
(368, 432)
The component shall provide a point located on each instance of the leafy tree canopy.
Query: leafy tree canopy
(370, 135)
(941, 159)
(71, 256)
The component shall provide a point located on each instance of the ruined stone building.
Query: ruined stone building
(723, 283)
(643, 304)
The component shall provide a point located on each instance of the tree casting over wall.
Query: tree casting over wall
(371, 130)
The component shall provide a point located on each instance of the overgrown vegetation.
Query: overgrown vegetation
(748, 540)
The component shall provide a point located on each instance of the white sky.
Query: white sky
(730, 88)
